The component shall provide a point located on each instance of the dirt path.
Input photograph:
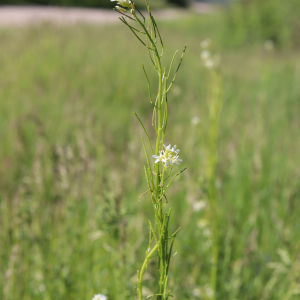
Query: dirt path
(25, 15)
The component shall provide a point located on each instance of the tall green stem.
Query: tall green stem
(143, 270)
(215, 107)
(158, 188)
(159, 233)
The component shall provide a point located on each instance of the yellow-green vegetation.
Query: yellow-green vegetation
(71, 169)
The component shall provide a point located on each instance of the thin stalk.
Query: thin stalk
(159, 127)
(143, 270)
(215, 107)
(156, 185)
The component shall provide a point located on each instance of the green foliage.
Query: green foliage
(274, 20)
(71, 156)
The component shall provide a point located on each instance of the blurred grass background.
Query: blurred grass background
(72, 162)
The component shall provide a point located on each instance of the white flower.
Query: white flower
(169, 156)
(42, 288)
(176, 160)
(209, 63)
(171, 149)
(209, 291)
(205, 55)
(161, 157)
(197, 292)
(167, 147)
(99, 297)
(205, 43)
(212, 62)
(174, 150)
(199, 205)
(195, 120)
(124, 3)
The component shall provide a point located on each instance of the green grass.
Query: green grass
(72, 164)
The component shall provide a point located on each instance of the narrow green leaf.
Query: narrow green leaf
(145, 132)
(149, 166)
(140, 14)
(161, 42)
(175, 177)
(176, 69)
(175, 233)
(171, 64)
(153, 232)
(149, 87)
(123, 14)
(125, 22)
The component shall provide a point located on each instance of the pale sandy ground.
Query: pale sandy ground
(22, 15)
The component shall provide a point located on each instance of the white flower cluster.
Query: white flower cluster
(123, 3)
(169, 156)
(99, 297)
(210, 61)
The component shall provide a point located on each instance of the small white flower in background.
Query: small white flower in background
(169, 156)
(195, 120)
(208, 290)
(205, 43)
(197, 292)
(205, 54)
(199, 205)
(209, 63)
(124, 3)
(99, 297)
(42, 288)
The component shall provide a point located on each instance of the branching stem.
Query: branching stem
(148, 34)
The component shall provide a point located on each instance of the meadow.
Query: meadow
(71, 170)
